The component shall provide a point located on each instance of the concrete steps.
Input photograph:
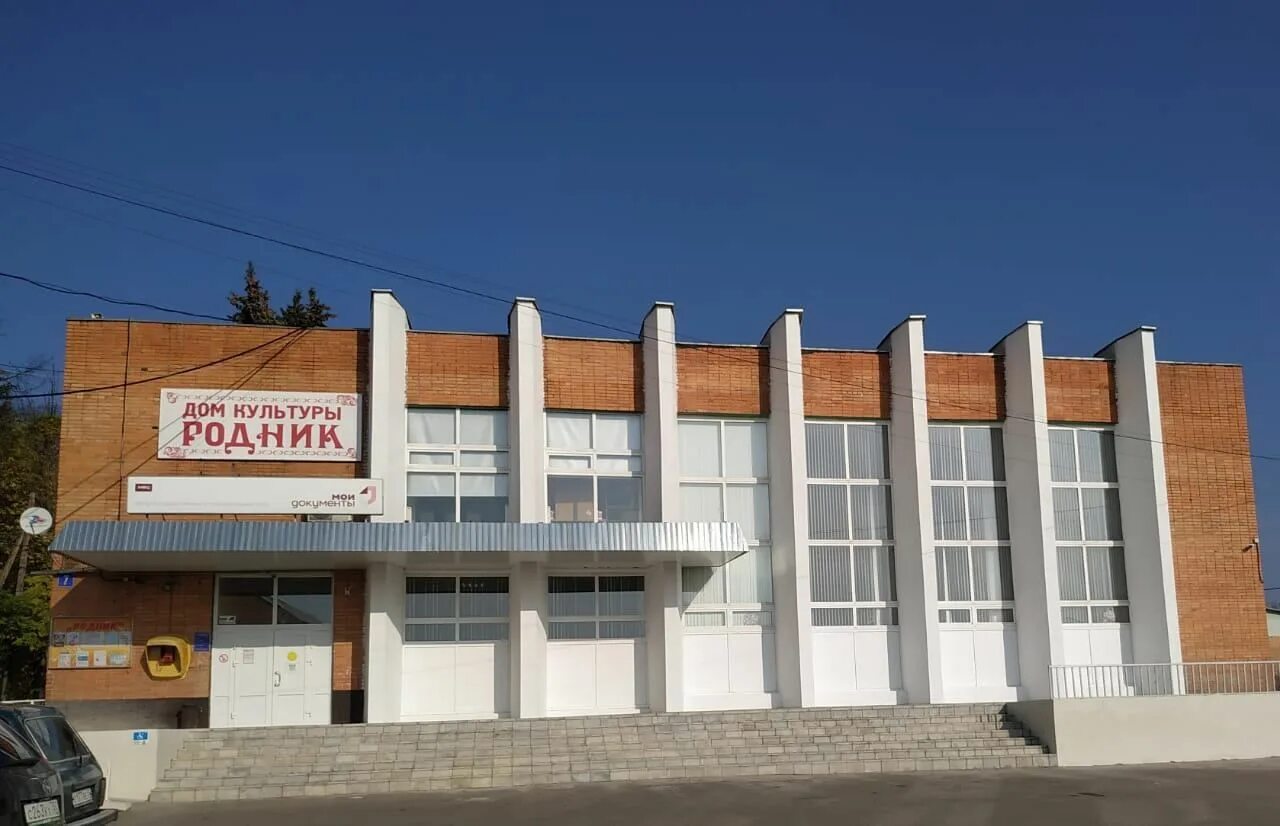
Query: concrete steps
(234, 764)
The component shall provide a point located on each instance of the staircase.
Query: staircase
(233, 764)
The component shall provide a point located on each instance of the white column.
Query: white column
(661, 468)
(663, 636)
(526, 394)
(1035, 560)
(388, 373)
(528, 640)
(913, 513)
(1144, 500)
(384, 600)
(789, 512)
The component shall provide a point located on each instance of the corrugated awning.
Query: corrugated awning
(148, 545)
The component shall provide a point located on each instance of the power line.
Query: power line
(58, 288)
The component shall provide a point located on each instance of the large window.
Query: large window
(456, 609)
(1086, 524)
(593, 467)
(971, 524)
(457, 465)
(724, 477)
(851, 565)
(275, 600)
(595, 607)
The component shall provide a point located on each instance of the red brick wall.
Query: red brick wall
(110, 435)
(964, 387)
(348, 630)
(1080, 390)
(581, 374)
(1211, 512)
(457, 370)
(722, 380)
(157, 604)
(846, 385)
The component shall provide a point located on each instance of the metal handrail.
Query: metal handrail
(1164, 679)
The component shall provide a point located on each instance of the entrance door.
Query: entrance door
(272, 651)
(596, 659)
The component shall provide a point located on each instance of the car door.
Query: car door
(30, 792)
(82, 786)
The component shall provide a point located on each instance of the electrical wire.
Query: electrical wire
(120, 302)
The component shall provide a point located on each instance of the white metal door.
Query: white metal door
(240, 682)
(301, 676)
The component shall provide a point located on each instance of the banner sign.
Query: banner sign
(250, 494)
(90, 643)
(245, 425)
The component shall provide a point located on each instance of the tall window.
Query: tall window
(1086, 524)
(971, 524)
(595, 607)
(593, 467)
(457, 465)
(456, 609)
(724, 476)
(851, 564)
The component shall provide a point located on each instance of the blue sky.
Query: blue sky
(980, 163)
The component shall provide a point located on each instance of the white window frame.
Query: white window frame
(597, 617)
(457, 620)
(1085, 544)
(973, 606)
(850, 544)
(501, 454)
(736, 616)
(593, 456)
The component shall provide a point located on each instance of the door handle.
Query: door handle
(276, 683)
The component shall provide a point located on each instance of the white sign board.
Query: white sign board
(262, 495)
(248, 425)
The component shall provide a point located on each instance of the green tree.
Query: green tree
(314, 313)
(253, 306)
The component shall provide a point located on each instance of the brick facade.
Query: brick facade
(348, 630)
(722, 380)
(584, 374)
(1212, 513)
(964, 387)
(846, 385)
(456, 370)
(1080, 391)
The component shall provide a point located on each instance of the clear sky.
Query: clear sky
(1096, 166)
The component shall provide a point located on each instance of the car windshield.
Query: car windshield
(13, 749)
(55, 738)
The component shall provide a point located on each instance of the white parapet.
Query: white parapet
(661, 460)
(388, 375)
(526, 393)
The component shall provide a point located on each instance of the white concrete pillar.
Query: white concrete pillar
(789, 512)
(663, 636)
(528, 640)
(388, 374)
(526, 395)
(913, 513)
(384, 600)
(661, 459)
(1031, 532)
(1144, 500)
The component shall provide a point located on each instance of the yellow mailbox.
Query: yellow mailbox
(168, 657)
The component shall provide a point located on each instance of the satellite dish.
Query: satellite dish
(35, 521)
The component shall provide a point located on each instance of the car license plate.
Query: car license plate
(45, 811)
(82, 798)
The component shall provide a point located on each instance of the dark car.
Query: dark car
(84, 786)
(30, 791)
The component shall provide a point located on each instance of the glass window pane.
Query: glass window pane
(702, 586)
(957, 570)
(864, 574)
(483, 631)
(872, 514)
(1101, 514)
(752, 619)
(955, 615)
(304, 600)
(482, 427)
(878, 616)
(618, 432)
(704, 619)
(621, 596)
(619, 498)
(244, 600)
(1071, 582)
(828, 512)
(571, 596)
(828, 617)
(483, 458)
(482, 484)
(430, 597)
(431, 427)
(482, 509)
(1003, 615)
(1110, 613)
(1062, 455)
(868, 451)
(886, 576)
(992, 574)
(569, 431)
(1075, 614)
(432, 508)
(619, 464)
(948, 513)
(1119, 579)
(621, 629)
(748, 505)
(569, 462)
(746, 450)
(570, 499)
(984, 454)
(430, 632)
(1066, 515)
(430, 484)
(1097, 456)
(582, 630)
(830, 576)
(699, 444)
(420, 457)
(824, 450)
(988, 513)
(483, 596)
(751, 576)
(1106, 573)
(946, 457)
(701, 503)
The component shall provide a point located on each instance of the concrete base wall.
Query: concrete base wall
(1184, 728)
(132, 767)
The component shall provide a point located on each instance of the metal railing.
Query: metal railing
(1163, 679)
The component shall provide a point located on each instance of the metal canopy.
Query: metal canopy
(257, 546)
